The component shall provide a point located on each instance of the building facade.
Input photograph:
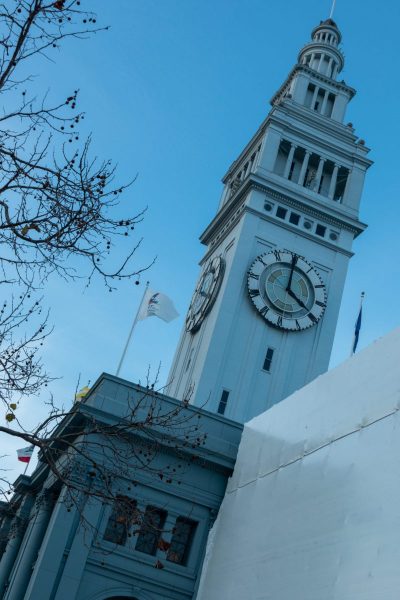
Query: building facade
(263, 316)
(60, 546)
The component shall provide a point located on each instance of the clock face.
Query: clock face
(205, 293)
(286, 290)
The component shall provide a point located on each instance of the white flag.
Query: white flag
(155, 304)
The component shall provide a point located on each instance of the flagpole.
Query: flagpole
(135, 320)
(359, 310)
(333, 9)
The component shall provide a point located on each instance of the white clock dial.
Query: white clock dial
(205, 293)
(286, 290)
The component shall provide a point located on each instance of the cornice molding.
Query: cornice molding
(339, 85)
(309, 141)
(220, 221)
(342, 221)
(256, 139)
(323, 48)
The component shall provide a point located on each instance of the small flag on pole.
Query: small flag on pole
(25, 454)
(357, 326)
(155, 304)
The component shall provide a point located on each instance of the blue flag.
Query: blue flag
(357, 330)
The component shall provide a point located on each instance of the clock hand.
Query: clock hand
(294, 261)
(300, 302)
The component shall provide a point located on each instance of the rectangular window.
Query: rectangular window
(330, 104)
(320, 230)
(122, 516)
(281, 212)
(150, 530)
(181, 542)
(223, 402)
(294, 218)
(281, 158)
(310, 93)
(292, 167)
(319, 100)
(341, 184)
(268, 360)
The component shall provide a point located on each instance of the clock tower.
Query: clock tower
(263, 315)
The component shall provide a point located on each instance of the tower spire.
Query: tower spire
(332, 9)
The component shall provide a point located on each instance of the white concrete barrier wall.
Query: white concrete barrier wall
(312, 511)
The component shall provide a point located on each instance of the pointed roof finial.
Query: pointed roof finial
(332, 9)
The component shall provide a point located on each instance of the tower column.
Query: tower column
(330, 73)
(332, 186)
(289, 161)
(304, 167)
(319, 174)
(314, 98)
(324, 102)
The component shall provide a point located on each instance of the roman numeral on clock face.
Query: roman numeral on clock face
(254, 276)
(254, 293)
(277, 255)
(264, 310)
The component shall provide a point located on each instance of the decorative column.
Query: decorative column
(30, 548)
(289, 161)
(4, 531)
(320, 62)
(330, 70)
(62, 527)
(314, 98)
(69, 582)
(15, 536)
(319, 174)
(324, 102)
(332, 186)
(304, 167)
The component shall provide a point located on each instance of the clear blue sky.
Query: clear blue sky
(173, 92)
